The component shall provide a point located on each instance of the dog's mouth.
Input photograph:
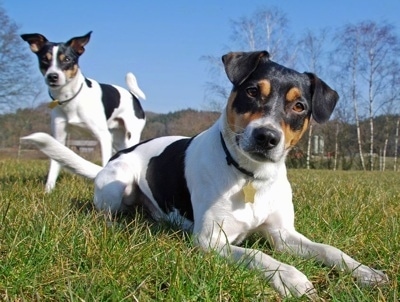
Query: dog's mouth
(53, 84)
(261, 156)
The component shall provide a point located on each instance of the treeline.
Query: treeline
(26, 121)
(333, 145)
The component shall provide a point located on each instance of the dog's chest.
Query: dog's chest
(82, 111)
(255, 211)
(72, 115)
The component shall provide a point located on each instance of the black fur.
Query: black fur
(166, 178)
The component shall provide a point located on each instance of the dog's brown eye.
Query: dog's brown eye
(299, 107)
(252, 91)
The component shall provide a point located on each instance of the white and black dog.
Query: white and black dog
(230, 180)
(113, 115)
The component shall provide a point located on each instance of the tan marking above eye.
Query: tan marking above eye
(293, 94)
(61, 57)
(48, 56)
(265, 87)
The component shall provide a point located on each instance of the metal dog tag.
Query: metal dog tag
(53, 104)
(249, 192)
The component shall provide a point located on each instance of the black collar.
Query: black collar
(231, 161)
(67, 100)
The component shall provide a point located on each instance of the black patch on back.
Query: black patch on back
(110, 98)
(166, 178)
(139, 113)
(88, 83)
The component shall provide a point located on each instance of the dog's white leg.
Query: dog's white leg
(297, 244)
(59, 132)
(134, 128)
(286, 279)
(105, 139)
(54, 171)
(129, 131)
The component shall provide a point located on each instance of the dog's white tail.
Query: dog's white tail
(133, 86)
(65, 156)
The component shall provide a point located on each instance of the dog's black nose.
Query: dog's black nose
(52, 77)
(266, 138)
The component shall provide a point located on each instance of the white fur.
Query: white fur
(133, 86)
(86, 111)
(221, 217)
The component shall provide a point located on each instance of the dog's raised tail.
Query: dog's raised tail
(62, 154)
(133, 86)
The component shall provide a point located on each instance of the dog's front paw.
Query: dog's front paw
(290, 282)
(369, 277)
(49, 187)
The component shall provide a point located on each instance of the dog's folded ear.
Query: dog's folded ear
(35, 41)
(239, 65)
(324, 99)
(78, 43)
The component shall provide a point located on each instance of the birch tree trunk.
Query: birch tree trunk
(371, 119)
(309, 146)
(336, 147)
(384, 155)
(355, 106)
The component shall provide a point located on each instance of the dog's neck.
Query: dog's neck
(70, 90)
(231, 161)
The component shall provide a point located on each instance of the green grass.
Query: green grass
(55, 247)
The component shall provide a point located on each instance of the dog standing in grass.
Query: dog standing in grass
(230, 180)
(113, 115)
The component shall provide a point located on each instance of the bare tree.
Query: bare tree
(17, 87)
(368, 55)
(265, 29)
(312, 53)
(380, 52)
(346, 57)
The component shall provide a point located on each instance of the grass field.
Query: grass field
(55, 247)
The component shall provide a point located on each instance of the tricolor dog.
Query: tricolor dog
(113, 115)
(230, 180)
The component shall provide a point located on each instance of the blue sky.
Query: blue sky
(162, 42)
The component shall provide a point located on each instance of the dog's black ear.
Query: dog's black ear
(78, 43)
(239, 65)
(35, 41)
(324, 99)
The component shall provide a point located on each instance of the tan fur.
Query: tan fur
(237, 122)
(71, 73)
(265, 87)
(293, 94)
(293, 136)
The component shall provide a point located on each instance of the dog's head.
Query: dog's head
(58, 62)
(270, 106)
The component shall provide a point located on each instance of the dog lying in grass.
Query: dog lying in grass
(230, 180)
